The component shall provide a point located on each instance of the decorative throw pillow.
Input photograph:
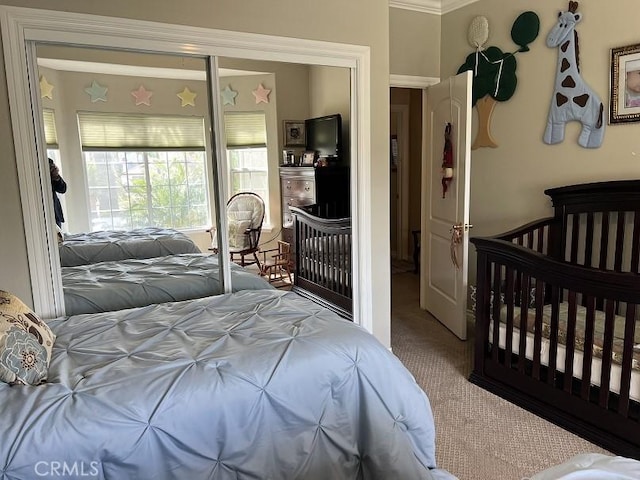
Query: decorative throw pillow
(237, 236)
(25, 343)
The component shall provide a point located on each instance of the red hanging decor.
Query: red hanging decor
(447, 160)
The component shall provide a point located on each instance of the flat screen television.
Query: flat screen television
(324, 136)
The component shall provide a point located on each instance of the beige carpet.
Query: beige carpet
(479, 435)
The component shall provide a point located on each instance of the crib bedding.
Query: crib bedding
(107, 286)
(257, 384)
(598, 333)
(104, 246)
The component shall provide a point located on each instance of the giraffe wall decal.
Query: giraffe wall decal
(572, 98)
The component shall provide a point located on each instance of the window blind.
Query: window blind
(243, 130)
(50, 135)
(99, 131)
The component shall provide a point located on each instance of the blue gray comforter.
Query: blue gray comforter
(105, 246)
(252, 385)
(107, 286)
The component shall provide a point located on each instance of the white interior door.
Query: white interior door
(443, 290)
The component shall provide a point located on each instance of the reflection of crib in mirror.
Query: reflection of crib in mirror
(323, 259)
(557, 317)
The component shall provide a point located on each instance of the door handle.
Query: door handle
(461, 228)
(457, 231)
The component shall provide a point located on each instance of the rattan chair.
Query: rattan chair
(245, 214)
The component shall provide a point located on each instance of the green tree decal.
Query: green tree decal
(494, 72)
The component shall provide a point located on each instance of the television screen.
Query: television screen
(324, 135)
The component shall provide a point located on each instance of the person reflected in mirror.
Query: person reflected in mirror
(58, 185)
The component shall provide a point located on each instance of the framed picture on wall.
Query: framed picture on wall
(294, 133)
(624, 102)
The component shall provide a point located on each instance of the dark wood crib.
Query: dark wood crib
(557, 314)
(323, 259)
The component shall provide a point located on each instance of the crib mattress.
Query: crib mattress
(581, 314)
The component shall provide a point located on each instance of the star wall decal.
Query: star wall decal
(261, 94)
(97, 92)
(142, 96)
(187, 97)
(46, 89)
(228, 96)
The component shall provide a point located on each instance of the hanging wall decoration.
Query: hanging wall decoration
(572, 98)
(228, 96)
(187, 97)
(46, 89)
(261, 94)
(447, 160)
(142, 96)
(97, 92)
(494, 72)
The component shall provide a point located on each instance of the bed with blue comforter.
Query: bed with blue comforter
(107, 286)
(258, 384)
(108, 245)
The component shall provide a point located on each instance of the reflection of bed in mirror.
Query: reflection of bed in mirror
(107, 286)
(255, 384)
(104, 246)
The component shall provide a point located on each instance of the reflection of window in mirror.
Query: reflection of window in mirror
(134, 156)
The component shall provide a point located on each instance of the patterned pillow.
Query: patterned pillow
(237, 237)
(25, 343)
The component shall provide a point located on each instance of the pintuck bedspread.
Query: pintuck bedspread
(251, 385)
(107, 286)
(104, 246)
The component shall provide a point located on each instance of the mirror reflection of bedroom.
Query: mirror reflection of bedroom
(129, 138)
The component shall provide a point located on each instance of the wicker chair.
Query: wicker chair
(245, 214)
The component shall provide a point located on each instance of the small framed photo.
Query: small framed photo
(294, 133)
(624, 101)
(308, 158)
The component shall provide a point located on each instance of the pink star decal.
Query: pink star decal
(142, 96)
(261, 94)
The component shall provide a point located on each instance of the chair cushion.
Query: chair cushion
(25, 343)
(237, 237)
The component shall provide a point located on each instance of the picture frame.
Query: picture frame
(294, 134)
(624, 87)
(308, 158)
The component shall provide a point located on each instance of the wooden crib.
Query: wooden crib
(557, 314)
(323, 259)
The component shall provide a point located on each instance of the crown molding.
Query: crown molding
(435, 7)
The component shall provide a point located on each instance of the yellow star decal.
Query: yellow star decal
(46, 89)
(187, 97)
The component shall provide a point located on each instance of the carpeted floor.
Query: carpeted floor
(479, 435)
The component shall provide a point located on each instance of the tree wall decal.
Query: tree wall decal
(494, 72)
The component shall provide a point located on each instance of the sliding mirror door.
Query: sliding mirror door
(129, 145)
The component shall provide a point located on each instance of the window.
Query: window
(246, 137)
(132, 189)
(144, 171)
(51, 136)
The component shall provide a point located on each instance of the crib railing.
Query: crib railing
(552, 337)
